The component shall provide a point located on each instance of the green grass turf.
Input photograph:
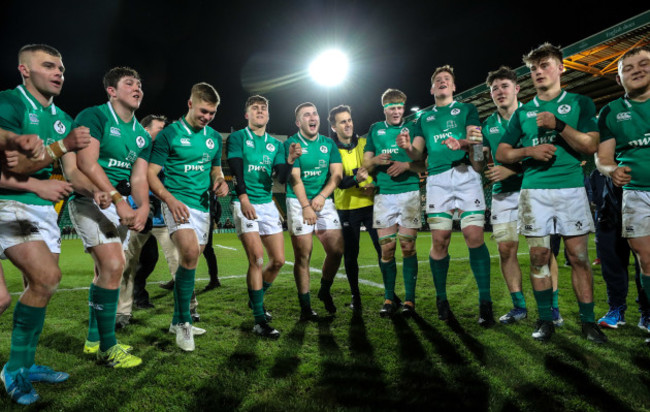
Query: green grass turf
(345, 362)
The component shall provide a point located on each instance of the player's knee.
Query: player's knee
(5, 302)
(507, 250)
(276, 264)
(505, 232)
(258, 261)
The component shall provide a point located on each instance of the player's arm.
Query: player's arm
(80, 182)
(606, 163)
(88, 165)
(179, 211)
(308, 213)
(237, 169)
(370, 161)
(414, 149)
(49, 189)
(283, 170)
(582, 142)
(19, 151)
(475, 140)
(336, 174)
(219, 185)
(140, 193)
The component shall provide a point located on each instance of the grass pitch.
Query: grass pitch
(344, 362)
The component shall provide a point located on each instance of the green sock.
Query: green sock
(326, 285)
(518, 300)
(183, 289)
(586, 312)
(266, 285)
(389, 274)
(479, 261)
(544, 299)
(305, 301)
(257, 303)
(26, 321)
(93, 333)
(556, 294)
(645, 283)
(37, 335)
(439, 269)
(104, 302)
(410, 273)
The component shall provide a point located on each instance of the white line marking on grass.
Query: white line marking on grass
(225, 247)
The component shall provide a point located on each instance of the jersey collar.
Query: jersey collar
(305, 140)
(557, 99)
(117, 119)
(501, 119)
(450, 105)
(189, 128)
(252, 135)
(33, 102)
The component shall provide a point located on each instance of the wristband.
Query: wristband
(559, 125)
(607, 170)
(320, 194)
(305, 207)
(116, 196)
(50, 153)
(56, 149)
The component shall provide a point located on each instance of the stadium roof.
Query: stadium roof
(590, 67)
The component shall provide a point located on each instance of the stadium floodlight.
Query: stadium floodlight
(330, 68)
(415, 109)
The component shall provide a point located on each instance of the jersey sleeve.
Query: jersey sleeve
(92, 119)
(234, 146)
(11, 111)
(513, 132)
(605, 132)
(287, 144)
(161, 147)
(145, 153)
(280, 155)
(335, 155)
(486, 141)
(587, 121)
(472, 116)
(218, 140)
(370, 145)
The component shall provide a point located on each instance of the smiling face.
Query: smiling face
(343, 126)
(634, 73)
(504, 93)
(257, 115)
(200, 112)
(308, 121)
(443, 85)
(127, 93)
(42, 73)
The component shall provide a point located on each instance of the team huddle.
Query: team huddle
(113, 164)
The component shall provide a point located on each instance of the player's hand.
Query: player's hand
(543, 152)
(362, 174)
(125, 212)
(220, 188)
(382, 159)
(309, 216)
(140, 219)
(498, 173)
(621, 176)
(397, 168)
(248, 210)
(455, 144)
(53, 190)
(179, 211)
(318, 202)
(295, 151)
(77, 139)
(546, 120)
(30, 145)
(403, 140)
(103, 199)
(474, 135)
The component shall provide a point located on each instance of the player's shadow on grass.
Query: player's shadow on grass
(287, 360)
(422, 384)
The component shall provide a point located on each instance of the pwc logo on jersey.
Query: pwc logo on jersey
(115, 131)
(59, 127)
(390, 151)
(209, 144)
(564, 109)
(623, 116)
(644, 141)
(118, 164)
(194, 168)
(140, 141)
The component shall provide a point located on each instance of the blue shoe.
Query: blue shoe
(18, 386)
(41, 373)
(613, 318)
(515, 314)
(557, 318)
(644, 322)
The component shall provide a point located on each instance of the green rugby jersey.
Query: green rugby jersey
(260, 154)
(381, 139)
(120, 143)
(494, 128)
(21, 113)
(628, 122)
(563, 170)
(441, 123)
(187, 156)
(314, 163)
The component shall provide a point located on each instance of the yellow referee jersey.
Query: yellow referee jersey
(352, 158)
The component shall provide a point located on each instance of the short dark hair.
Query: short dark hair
(446, 68)
(29, 48)
(543, 51)
(632, 52)
(503, 73)
(147, 120)
(256, 99)
(205, 92)
(393, 96)
(114, 75)
(302, 106)
(342, 108)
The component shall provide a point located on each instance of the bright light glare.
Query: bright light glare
(330, 68)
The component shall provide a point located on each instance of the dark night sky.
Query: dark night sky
(267, 46)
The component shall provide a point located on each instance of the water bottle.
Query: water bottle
(478, 152)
